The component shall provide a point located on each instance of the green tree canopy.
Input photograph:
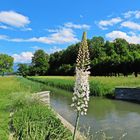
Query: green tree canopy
(23, 69)
(40, 63)
(6, 63)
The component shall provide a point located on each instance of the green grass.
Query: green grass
(11, 88)
(99, 86)
(36, 121)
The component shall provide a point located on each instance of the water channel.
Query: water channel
(115, 119)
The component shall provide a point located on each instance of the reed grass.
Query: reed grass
(99, 86)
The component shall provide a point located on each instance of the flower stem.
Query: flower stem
(76, 125)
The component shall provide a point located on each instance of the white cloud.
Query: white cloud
(132, 38)
(131, 25)
(130, 14)
(52, 30)
(3, 37)
(61, 36)
(104, 23)
(26, 29)
(24, 57)
(54, 49)
(77, 26)
(36, 47)
(4, 27)
(13, 19)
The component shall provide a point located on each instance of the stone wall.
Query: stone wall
(123, 93)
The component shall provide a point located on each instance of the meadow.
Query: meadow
(99, 86)
(15, 93)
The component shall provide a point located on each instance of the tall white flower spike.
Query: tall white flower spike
(81, 88)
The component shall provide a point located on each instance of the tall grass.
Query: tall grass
(99, 86)
(35, 121)
(10, 88)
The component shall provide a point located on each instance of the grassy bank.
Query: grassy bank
(99, 86)
(11, 88)
(36, 121)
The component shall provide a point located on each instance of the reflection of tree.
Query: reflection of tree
(100, 108)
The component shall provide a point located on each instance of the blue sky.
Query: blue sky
(52, 25)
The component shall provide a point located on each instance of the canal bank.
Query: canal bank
(44, 97)
(127, 93)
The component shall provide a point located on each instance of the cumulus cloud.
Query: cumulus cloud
(103, 24)
(132, 38)
(13, 19)
(61, 36)
(131, 25)
(77, 26)
(24, 57)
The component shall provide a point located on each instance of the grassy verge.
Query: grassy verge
(99, 86)
(11, 88)
(35, 121)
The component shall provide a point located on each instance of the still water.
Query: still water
(115, 119)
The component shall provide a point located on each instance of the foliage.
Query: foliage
(99, 86)
(8, 87)
(115, 58)
(107, 58)
(40, 63)
(34, 120)
(23, 69)
(6, 63)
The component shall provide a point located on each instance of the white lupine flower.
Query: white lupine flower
(81, 89)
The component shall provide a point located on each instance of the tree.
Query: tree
(6, 63)
(107, 58)
(23, 69)
(55, 61)
(96, 47)
(40, 63)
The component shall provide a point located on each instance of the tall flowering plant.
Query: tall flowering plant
(81, 89)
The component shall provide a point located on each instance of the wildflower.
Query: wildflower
(81, 88)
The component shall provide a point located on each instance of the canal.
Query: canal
(106, 118)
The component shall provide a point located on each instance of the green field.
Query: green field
(99, 86)
(13, 94)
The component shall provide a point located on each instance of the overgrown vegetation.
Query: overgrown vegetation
(12, 93)
(99, 86)
(35, 121)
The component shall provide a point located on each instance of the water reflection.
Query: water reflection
(115, 118)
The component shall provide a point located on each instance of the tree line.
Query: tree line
(107, 59)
